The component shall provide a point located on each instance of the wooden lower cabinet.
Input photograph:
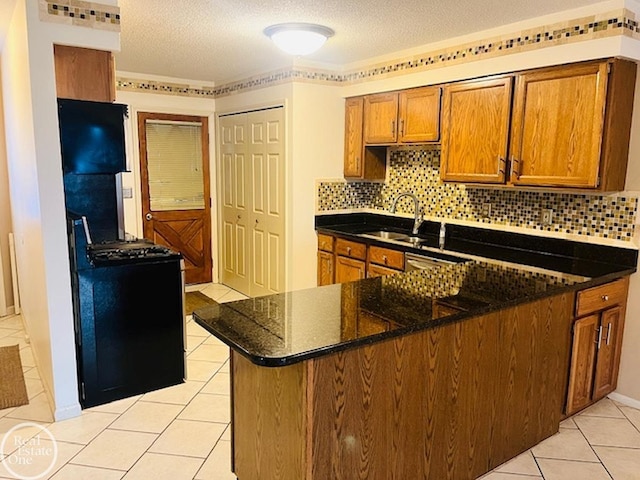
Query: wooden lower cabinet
(349, 269)
(325, 268)
(386, 410)
(597, 344)
(374, 270)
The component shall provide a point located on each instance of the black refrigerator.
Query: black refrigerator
(128, 295)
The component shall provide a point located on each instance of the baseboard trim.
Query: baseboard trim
(65, 413)
(628, 401)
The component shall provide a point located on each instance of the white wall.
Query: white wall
(37, 197)
(6, 291)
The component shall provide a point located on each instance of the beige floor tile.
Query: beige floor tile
(193, 342)
(6, 411)
(215, 290)
(34, 387)
(40, 460)
(604, 408)
(210, 353)
(622, 463)
(508, 476)
(5, 332)
(611, 432)
(553, 469)
(208, 408)
(119, 406)
(226, 436)
(82, 429)
(115, 449)
(189, 438)
(147, 417)
(567, 444)
(196, 287)
(200, 370)
(26, 357)
(220, 384)
(568, 423)
(13, 430)
(218, 464)
(214, 341)
(9, 341)
(195, 330)
(231, 297)
(32, 372)
(633, 414)
(81, 472)
(225, 368)
(13, 322)
(164, 467)
(38, 410)
(523, 464)
(178, 394)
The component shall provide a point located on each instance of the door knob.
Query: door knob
(148, 216)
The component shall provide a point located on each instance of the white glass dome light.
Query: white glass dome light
(298, 38)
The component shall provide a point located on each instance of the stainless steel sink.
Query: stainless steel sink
(388, 235)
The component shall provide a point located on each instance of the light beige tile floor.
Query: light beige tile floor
(183, 432)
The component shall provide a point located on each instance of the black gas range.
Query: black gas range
(130, 251)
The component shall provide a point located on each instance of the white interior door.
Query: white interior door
(253, 221)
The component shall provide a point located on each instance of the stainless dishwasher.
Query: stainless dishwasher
(421, 262)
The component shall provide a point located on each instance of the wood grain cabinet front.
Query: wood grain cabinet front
(84, 74)
(569, 127)
(597, 344)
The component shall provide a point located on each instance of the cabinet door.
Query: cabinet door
(557, 126)
(380, 118)
(608, 354)
(325, 268)
(349, 270)
(475, 131)
(380, 271)
(353, 164)
(84, 74)
(583, 354)
(419, 115)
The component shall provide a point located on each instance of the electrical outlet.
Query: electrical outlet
(485, 210)
(546, 216)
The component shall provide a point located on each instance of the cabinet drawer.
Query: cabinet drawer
(386, 257)
(351, 249)
(601, 297)
(325, 242)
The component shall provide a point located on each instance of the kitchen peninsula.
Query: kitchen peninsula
(373, 380)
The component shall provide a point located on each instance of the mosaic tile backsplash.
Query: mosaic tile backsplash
(417, 171)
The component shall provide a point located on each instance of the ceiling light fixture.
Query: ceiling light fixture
(298, 38)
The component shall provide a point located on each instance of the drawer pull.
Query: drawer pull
(384, 259)
(605, 298)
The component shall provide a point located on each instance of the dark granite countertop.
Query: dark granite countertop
(286, 328)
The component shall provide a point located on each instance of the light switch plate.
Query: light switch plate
(546, 216)
(127, 192)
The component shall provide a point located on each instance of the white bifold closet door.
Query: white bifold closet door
(252, 176)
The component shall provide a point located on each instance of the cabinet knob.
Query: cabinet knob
(605, 298)
(349, 250)
(384, 259)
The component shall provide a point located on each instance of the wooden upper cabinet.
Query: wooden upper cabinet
(381, 118)
(558, 123)
(475, 131)
(353, 147)
(419, 115)
(84, 74)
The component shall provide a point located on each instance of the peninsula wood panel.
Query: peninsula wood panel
(427, 405)
(475, 131)
(270, 420)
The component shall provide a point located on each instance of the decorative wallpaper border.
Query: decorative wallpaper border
(81, 14)
(615, 23)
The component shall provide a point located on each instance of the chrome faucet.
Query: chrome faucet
(417, 219)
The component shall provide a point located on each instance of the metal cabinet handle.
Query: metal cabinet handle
(502, 162)
(608, 333)
(514, 169)
(605, 298)
(599, 329)
(402, 127)
(148, 216)
(393, 127)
